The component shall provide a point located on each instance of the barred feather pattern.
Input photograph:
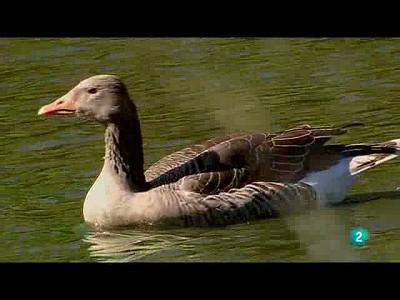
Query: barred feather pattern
(242, 158)
(179, 158)
(214, 182)
(258, 200)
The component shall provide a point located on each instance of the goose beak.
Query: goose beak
(61, 106)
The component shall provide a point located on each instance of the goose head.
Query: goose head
(103, 98)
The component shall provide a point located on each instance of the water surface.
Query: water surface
(188, 90)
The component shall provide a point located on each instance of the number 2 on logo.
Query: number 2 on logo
(358, 237)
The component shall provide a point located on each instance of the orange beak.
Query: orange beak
(60, 106)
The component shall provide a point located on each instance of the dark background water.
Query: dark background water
(189, 90)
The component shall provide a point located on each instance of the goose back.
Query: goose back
(233, 161)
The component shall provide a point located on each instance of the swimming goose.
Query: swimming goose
(224, 180)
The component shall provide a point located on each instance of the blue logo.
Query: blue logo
(359, 236)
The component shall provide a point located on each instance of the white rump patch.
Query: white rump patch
(332, 184)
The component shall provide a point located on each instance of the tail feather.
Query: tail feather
(362, 149)
(362, 163)
(332, 184)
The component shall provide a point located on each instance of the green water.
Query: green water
(188, 90)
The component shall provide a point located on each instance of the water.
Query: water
(189, 90)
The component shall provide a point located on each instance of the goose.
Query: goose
(224, 180)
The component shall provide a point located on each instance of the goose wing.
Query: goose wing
(180, 157)
(233, 161)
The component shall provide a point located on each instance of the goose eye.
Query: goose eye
(92, 91)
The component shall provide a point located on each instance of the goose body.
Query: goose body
(224, 180)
